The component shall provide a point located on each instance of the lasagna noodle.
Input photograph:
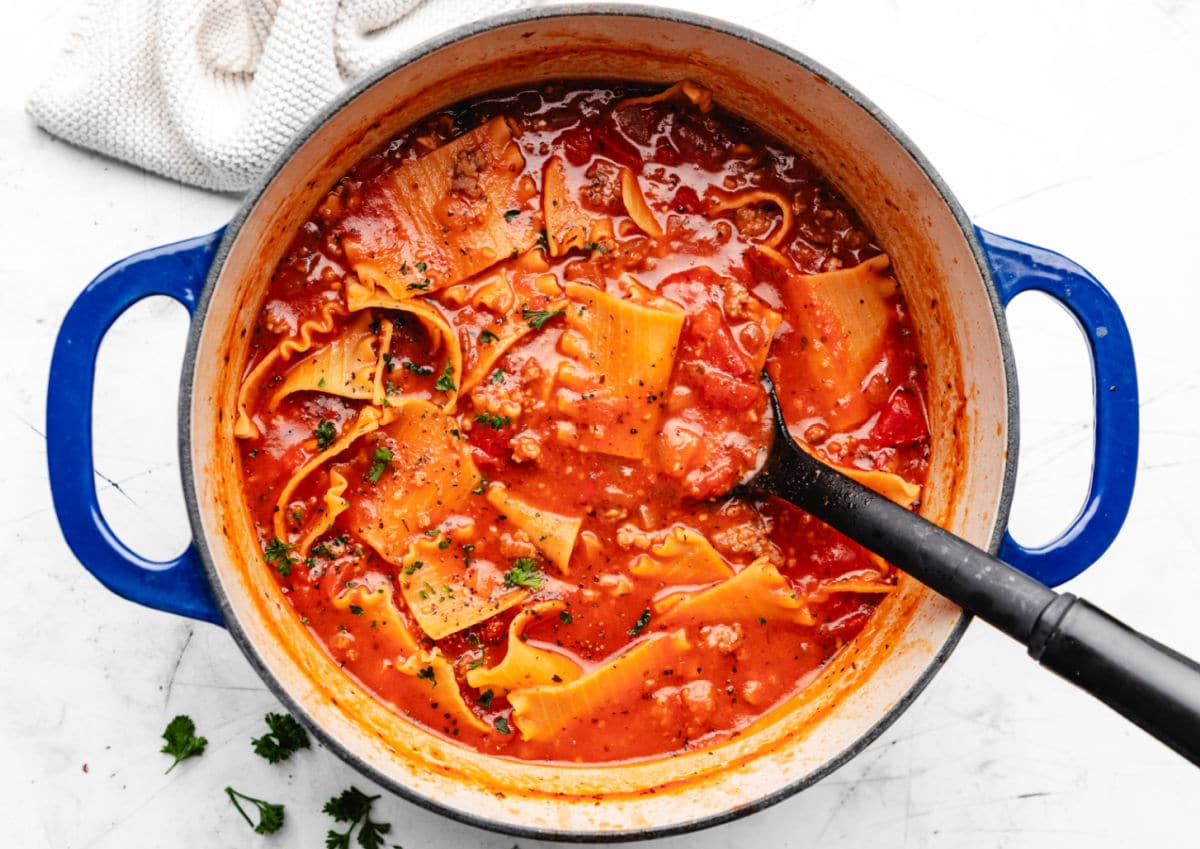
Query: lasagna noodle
(344, 366)
(622, 355)
(757, 593)
(526, 665)
(684, 557)
(845, 316)
(335, 504)
(684, 90)
(758, 197)
(542, 712)
(429, 475)
(553, 533)
(440, 332)
(437, 672)
(244, 427)
(446, 593)
(448, 214)
(888, 484)
(568, 225)
(368, 419)
(372, 594)
(636, 206)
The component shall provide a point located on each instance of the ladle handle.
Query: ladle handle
(1151, 685)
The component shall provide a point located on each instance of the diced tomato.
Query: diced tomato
(489, 447)
(576, 144)
(726, 392)
(686, 200)
(902, 421)
(612, 143)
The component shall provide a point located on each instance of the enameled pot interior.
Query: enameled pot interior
(962, 339)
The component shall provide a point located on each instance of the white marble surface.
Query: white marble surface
(1073, 125)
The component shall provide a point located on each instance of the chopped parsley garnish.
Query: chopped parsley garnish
(524, 573)
(444, 544)
(325, 434)
(538, 318)
(427, 674)
(276, 553)
(511, 214)
(418, 369)
(485, 699)
(565, 618)
(421, 266)
(498, 376)
(270, 815)
(595, 246)
(445, 383)
(321, 383)
(413, 567)
(182, 742)
(356, 610)
(424, 284)
(493, 421)
(502, 725)
(480, 487)
(322, 550)
(286, 737)
(641, 624)
(354, 806)
(381, 460)
(486, 337)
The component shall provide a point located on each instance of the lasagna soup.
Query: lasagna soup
(499, 392)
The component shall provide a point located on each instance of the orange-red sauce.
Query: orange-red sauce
(706, 263)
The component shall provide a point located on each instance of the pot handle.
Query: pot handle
(178, 271)
(1018, 267)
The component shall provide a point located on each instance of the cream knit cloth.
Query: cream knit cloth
(208, 92)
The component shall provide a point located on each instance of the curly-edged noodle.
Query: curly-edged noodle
(367, 420)
(439, 329)
(448, 216)
(542, 712)
(244, 427)
(437, 672)
(428, 474)
(527, 665)
(684, 557)
(755, 197)
(621, 355)
(891, 486)
(372, 595)
(845, 315)
(335, 504)
(636, 206)
(553, 533)
(755, 594)
(853, 585)
(345, 366)
(695, 93)
(448, 591)
(568, 225)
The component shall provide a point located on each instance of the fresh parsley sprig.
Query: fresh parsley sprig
(538, 318)
(286, 737)
(354, 806)
(524, 573)
(182, 742)
(270, 815)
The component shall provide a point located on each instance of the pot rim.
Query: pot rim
(250, 201)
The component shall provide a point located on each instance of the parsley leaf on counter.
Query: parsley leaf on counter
(524, 573)
(270, 816)
(354, 806)
(537, 318)
(182, 742)
(325, 434)
(286, 737)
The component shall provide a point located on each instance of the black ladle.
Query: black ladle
(1153, 686)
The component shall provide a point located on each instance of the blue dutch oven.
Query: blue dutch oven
(958, 280)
